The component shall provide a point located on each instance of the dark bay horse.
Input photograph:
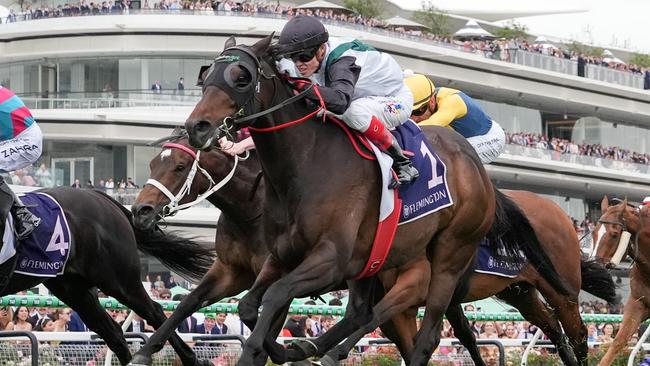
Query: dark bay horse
(104, 254)
(321, 209)
(617, 220)
(241, 251)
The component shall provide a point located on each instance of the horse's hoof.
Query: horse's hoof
(300, 349)
(328, 361)
(140, 360)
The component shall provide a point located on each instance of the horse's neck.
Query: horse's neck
(640, 248)
(237, 199)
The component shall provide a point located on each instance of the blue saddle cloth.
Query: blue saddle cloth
(45, 252)
(429, 193)
(493, 259)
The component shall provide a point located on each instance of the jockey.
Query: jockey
(362, 86)
(20, 146)
(646, 201)
(454, 109)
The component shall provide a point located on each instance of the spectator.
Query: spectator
(6, 314)
(61, 319)
(234, 323)
(39, 314)
(181, 86)
(581, 65)
(646, 79)
(76, 324)
(45, 325)
(607, 335)
(43, 176)
(164, 294)
(293, 325)
(189, 324)
(20, 320)
(208, 325)
(159, 284)
(156, 87)
(76, 183)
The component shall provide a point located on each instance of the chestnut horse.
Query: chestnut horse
(240, 251)
(321, 210)
(627, 232)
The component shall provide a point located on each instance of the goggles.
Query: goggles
(304, 55)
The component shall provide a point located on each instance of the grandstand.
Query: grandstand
(89, 80)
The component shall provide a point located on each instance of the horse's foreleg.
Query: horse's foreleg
(401, 330)
(526, 300)
(318, 272)
(250, 303)
(220, 281)
(77, 294)
(633, 314)
(464, 333)
(357, 313)
(450, 260)
(404, 294)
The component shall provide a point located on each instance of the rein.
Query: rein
(173, 206)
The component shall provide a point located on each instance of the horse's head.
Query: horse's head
(231, 88)
(613, 236)
(179, 174)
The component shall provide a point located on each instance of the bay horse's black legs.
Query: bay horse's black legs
(452, 254)
(220, 281)
(358, 312)
(81, 296)
(526, 299)
(318, 272)
(464, 333)
(402, 295)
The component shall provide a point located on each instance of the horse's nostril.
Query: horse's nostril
(202, 126)
(143, 210)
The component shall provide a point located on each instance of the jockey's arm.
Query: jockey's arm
(450, 108)
(343, 74)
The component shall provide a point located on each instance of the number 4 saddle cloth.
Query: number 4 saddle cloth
(45, 252)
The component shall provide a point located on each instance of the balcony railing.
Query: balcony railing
(105, 100)
(587, 161)
(514, 55)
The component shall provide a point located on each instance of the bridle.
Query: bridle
(173, 206)
(624, 242)
(229, 123)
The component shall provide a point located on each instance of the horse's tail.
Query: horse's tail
(184, 256)
(513, 229)
(598, 281)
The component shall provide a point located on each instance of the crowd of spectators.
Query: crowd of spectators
(563, 146)
(499, 49)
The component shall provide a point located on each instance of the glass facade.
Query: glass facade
(67, 78)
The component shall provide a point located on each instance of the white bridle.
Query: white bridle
(173, 206)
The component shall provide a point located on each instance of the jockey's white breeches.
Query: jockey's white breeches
(491, 145)
(391, 110)
(21, 151)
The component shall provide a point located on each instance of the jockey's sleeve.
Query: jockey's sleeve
(342, 75)
(450, 108)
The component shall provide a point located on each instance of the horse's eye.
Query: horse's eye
(179, 168)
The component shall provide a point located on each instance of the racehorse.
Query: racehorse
(627, 232)
(320, 229)
(240, 250)
(104, 254)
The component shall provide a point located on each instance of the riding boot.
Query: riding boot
(379, 135)
(24, 221)
(406, 172)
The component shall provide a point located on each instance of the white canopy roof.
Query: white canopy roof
(322, 4)
(472, 30)
(398, 21)
(543, 42)
(609, 57)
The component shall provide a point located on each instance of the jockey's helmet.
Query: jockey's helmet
(301, 33)
(422, 89)
(646, 201)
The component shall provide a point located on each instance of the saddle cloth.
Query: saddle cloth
(429, 193)
(46, 251)
(493, 260)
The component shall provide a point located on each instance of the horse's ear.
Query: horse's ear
(604, 204)
(261, 46)
(230, 42)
